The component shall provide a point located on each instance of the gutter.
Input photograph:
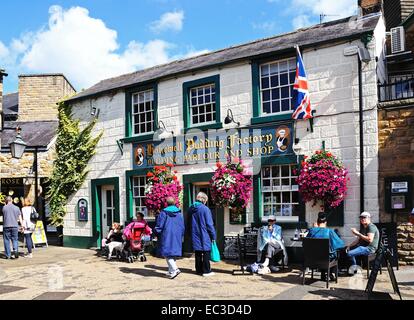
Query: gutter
(361, 139)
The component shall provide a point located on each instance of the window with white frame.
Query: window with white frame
(143, 112)
(280, 192)
(203, 104)
(138, 194)
(276, 86)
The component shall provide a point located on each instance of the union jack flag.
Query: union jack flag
(301, 99)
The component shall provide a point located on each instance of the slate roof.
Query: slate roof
(11, 104)
(310, 37)
(39, 133)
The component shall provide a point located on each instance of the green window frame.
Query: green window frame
(129, 131)
(129, 184)
(258, 118)
(187, 86)
(258, 198)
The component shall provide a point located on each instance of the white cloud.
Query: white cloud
(301, 21)
(309, 11)
(168, 21)
(84, 49)
(4, 52)
(267, 26)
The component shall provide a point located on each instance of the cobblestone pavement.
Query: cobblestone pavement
(57, 273)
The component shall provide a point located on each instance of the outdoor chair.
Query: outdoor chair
(316, 256)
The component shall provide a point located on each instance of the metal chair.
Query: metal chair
(316, 256)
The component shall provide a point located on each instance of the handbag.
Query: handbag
(34, 216)
(215, 254)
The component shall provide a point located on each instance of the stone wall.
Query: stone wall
(38, 95)
(396, 148)
(405, 233)
(21, 168)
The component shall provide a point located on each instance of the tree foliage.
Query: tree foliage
(74, 148)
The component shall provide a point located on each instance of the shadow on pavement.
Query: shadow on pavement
(350, 294)
(142, 272)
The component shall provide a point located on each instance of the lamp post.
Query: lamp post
(17, 148)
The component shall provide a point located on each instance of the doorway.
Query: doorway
(108, 208)
(105, 207)
(217, 213)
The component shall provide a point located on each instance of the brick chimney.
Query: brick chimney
(38, 95)
(369, 6)
(2, 75)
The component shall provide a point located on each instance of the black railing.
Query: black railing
(397, 89)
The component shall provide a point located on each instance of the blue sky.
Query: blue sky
(90, 40)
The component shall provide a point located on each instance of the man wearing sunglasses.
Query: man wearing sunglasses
(367, 239)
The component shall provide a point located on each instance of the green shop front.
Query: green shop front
(266, 149)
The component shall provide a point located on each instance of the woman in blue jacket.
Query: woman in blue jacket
(170, 230)
(203, 233)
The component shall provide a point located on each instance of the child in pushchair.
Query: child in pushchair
(137, 236)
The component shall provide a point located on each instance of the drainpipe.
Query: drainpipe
(361, 139)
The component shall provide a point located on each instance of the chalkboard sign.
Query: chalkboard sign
(231, 249)
(383, 255)
(388, 236)
(375, 268)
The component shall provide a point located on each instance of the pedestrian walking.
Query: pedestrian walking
(170, 230)
(203, 234)
(11, 218)
(29, 224)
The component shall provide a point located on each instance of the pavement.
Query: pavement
(58, 273)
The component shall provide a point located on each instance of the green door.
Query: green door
(218, 213)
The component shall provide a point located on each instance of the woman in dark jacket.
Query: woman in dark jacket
(203, 233)
(170, 230)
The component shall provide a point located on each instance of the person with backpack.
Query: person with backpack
(30, 217)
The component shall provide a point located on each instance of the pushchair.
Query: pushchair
(134, 249)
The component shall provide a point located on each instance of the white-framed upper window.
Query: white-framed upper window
(138, 194)
(280, 192)
(203, 104)
(143, 112)
(276, 86)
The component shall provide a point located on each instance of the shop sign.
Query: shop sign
(83, 210)
(11, 181)
(213, 146)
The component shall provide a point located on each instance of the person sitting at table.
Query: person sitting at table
(321, 231)
(270, 243)
(366, 242)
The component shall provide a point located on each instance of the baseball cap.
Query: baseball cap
(271, 218)
(365, 215)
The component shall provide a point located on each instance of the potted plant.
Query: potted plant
(231, 185)
(323, 177)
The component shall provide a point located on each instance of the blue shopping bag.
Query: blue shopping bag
(215, 254)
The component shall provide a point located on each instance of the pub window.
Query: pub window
(276, 86)
(138, 188)
(143, 112)
(280, 192)
(203, 104)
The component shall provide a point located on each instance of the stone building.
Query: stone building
(396, 126)
(33, 109)
(254, 81)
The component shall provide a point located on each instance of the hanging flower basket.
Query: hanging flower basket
(161, 184)
(231, 186)
(2, 198)
(323, 178)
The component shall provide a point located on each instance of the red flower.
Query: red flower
(219, 165)
(156, 179)
(150, 174)
(329, 154)
(175, 178)
(170, 165)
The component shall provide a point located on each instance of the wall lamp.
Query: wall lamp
(230, 118)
